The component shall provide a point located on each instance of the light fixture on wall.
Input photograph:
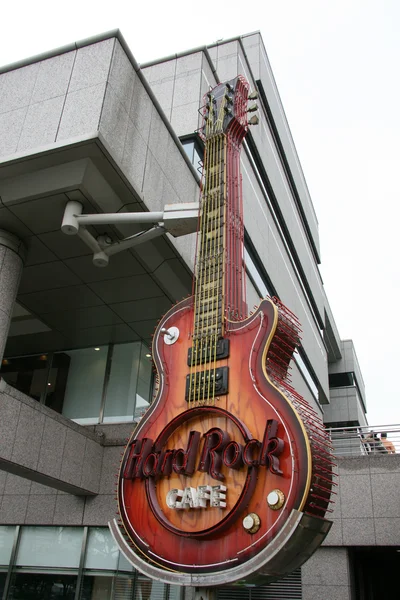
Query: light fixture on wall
(97, 349)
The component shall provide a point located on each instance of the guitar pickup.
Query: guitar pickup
(207, 352)
(206, 384)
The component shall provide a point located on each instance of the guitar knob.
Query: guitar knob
(251, 523)
(170, 335)
(276, 499)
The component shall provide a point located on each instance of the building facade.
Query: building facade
(87, 124)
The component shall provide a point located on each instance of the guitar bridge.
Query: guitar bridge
(205, 353)
(206, 384)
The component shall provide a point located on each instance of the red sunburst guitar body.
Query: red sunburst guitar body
(228, 473)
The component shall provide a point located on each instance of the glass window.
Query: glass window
(98, 587)
(102, 551)
(341, 379)
(306, 374)
(35, 586)
(124, 564)
(174, 592)
(76, 383)
(189, 148)
(7, 534)
(129, 385)
(50, 547)
(193, 149)
(149, 589)
(28, 374)
(145, 379)
(255, 276)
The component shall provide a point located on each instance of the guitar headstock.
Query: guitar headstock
(226, 107)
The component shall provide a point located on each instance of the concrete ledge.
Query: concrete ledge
(40, 445)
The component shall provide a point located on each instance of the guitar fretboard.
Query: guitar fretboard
(209, 288)
(219, 293)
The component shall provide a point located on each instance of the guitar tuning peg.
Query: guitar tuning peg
(254, 120)
(253, 95)
(253, 107)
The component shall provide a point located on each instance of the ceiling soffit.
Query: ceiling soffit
(71, 302)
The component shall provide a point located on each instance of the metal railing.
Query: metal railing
(366, 441)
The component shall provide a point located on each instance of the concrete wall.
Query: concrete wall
(43, 446)
(367, 509)
(349, 363)
(345, 405)
(54, 99)
(68, 456)
(230, 60)
(260, 65)
(366, 513)
(327, 575)
(94, 92)
(268, 242)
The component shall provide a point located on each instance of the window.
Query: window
(305, 371)
(42, 586)
(71, 563)
(6, 544)
(50, 547)
(262, 286)
(28, 374)
(101, 551)
(341, 380)
(110, 384)
(79, 388)
(129, 385)
(194, 149)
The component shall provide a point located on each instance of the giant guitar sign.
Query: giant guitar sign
(228, 476)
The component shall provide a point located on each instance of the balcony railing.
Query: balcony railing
(366, 441)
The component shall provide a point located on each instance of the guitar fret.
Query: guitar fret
(216, 309)
(211, 285)
(210, 264)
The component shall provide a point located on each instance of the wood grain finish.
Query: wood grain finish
(251, 401)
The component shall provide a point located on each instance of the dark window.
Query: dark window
(341, 424)
(28, 374)
(35, 586)
(374, 572)
(100, 586)
(341, 379)
(3, 577)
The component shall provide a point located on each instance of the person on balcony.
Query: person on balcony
(388, 444)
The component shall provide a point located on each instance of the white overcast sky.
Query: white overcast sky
(336, 64)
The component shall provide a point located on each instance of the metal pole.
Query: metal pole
(79, 579)
(116, 218)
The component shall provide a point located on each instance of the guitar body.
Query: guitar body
(182, 538)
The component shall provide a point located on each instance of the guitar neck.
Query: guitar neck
(219, 286)
(211, 261)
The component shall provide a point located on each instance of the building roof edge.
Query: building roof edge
(101, 37)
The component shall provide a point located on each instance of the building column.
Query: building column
(12, 256)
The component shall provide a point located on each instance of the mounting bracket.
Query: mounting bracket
(176, 219)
